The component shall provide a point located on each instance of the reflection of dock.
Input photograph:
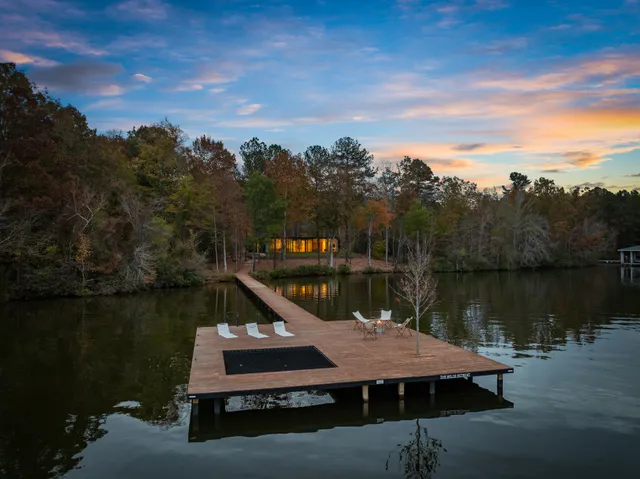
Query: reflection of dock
(338, 357)
(343, 413)
(630, 274)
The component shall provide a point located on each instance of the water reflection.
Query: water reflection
(630, 276)
(282, 414)
(75, 373)
(66, 365)
(420, 457)
(534, 313)
(319, 290)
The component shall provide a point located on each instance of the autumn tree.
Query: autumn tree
(265, 209)
(388, 188)
(374, 213)
(220, 200)
(290, 180)
(354, 172)
(255, 154)
(324, 188)
(416, 182)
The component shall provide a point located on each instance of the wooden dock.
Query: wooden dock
(389, 359)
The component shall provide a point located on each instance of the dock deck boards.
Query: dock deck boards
(359, 361)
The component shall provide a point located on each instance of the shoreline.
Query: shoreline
(300, 269)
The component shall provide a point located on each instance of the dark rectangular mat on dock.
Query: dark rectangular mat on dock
(244, 361)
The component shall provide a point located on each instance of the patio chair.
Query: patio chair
(360, 320)
(280, 330)
(385, 317)
(369, 329)
(223, 330)
(252, 330)
(404, 327)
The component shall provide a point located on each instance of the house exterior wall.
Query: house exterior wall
(303, 245)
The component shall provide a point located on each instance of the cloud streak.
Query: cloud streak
(25, 59)
(248, 109)
(142, 78)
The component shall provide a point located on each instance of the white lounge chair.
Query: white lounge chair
(223, 330)
(360, 320)
(280, 330)
(252, 330)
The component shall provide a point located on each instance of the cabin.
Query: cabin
(304, 245)
(630, 256)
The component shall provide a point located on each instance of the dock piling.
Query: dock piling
(401, 391)
(195, 407)
(365, 393)
(500, 385)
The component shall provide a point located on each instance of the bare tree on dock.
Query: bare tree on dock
(418, 286)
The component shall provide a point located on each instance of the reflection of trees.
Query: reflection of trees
(66, 365)
(420, 457)
(280, 400)
(529, 310)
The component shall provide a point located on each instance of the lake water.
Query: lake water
(96, 388)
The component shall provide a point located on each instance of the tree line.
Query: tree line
(83, 212)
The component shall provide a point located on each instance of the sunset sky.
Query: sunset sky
(476, 88)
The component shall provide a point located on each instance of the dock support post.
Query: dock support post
(500, 385)
(217, 406)
(195, 407)
(432, 388)
(401, 407)
(401, 391)
(365, 393)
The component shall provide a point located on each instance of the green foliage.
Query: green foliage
(371, 270)
(379, 249)
(223, 278)
(519, 182)
(417, 183)
(344, 269)
(300, 271)
(417, 220)
(265, 209)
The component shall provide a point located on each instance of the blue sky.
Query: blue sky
(477, 88)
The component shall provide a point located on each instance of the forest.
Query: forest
(84, 212)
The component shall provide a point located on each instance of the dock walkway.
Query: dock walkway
(359, 362)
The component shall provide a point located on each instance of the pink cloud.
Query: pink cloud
(142, 78)
(25, 59)
(603, 70)
(249, 109)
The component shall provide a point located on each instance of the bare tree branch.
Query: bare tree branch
(418, 285)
